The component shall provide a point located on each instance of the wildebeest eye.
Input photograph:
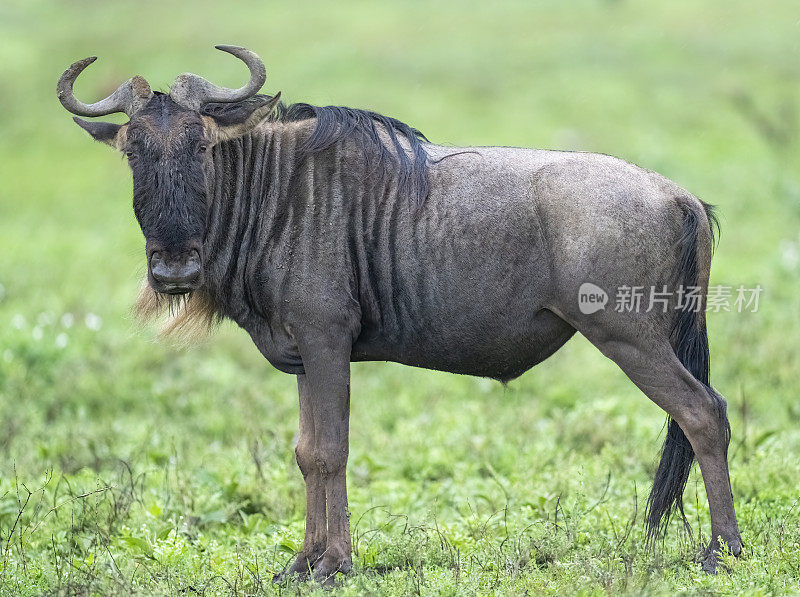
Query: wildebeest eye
(202, 147)
(129, 154)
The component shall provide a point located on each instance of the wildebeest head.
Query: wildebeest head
(167, 142)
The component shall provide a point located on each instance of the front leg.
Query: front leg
(322, 452)
(316, 525)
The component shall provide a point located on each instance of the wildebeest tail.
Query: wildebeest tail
(690, 342)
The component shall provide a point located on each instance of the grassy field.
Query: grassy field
(133, 467)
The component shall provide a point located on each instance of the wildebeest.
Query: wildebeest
(333, 235)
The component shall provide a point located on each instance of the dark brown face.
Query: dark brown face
(167, 147)
(167, 143)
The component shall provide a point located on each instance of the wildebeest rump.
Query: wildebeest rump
(334, 235)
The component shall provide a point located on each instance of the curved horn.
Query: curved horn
(192, 91)
(128, 98)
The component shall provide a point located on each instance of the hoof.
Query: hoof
(326, 570)
(710, 559)
(710, 562)
(287, 575)
(299, 570)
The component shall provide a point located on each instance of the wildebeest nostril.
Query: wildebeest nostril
(183, 271)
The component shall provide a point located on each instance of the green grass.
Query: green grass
(132, 467)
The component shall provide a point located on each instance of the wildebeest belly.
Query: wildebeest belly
(502, 348)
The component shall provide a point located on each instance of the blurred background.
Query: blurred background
(128, 465)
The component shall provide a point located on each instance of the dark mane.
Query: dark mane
(335, 123)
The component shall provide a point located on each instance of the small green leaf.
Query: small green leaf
(141, 544)
(286, 545)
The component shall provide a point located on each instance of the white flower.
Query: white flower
(45, 318)
(18, 321)
(67, 320)
(37, 333)
(8, 356)
(93, 322)
(61, 340)
(790, 254)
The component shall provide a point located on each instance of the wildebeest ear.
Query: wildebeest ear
(105, 132)
(228, 121)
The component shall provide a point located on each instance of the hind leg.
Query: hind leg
(649, 361)
(700, 413)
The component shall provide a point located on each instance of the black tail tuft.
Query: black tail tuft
(690, 343)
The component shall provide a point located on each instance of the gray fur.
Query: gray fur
(482, 279)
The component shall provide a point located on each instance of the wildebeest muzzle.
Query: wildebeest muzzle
(175, 272)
